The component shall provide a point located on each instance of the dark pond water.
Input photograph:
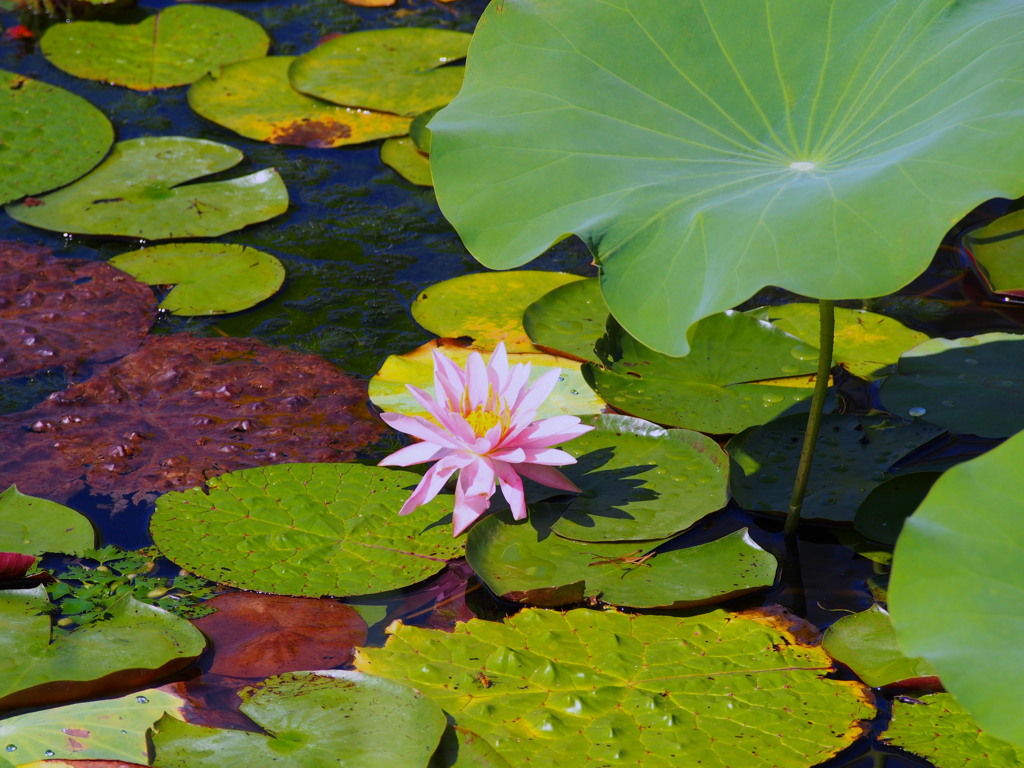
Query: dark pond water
(359, 242)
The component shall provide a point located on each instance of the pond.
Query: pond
(359, 244)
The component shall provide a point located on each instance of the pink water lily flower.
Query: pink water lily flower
(483, 428)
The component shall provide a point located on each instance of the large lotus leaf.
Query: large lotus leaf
(408, 162)
(66, 312)
(389, 390)
(641, 481)
(704, 150)
(525, 562)
(175, 46)
(139, 643)
(255, 635)
(48, 136)
(209, 278)
(866, 343)
(998, 250)
(569, 320)
(939, 729)
(852, 456)
(615, 689)
(964, 546)
(866, 643)
(108, 729)
(180, 409)
(306, 529)
(389, 70)
(719, 387)
(486, 306)
(970, 385)
(32, 526)
(138, 192)
(313, 720)
(256, 100)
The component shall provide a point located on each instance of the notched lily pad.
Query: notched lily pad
(109, 729)
(641, 481)
(486, 306)
(402, 156)
(181, 409)
(48, 136)
(255, 99)
(569, 320)
(32, 526)
(938, 729)
(765, 373)
(139, 191)
(389, 390)
(66, 312)
(139, 643)
(209, 278)
(306, 529)
(971, 385)
(615, 690)
(525, 562)
(313, 719)
(866, 344)
(853, 455)
(388, 70)
(997, 251)
(175, 46)
(866, 643)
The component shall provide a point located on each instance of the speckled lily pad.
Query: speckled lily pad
(612, 689)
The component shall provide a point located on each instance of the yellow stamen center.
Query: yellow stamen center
(481, 420)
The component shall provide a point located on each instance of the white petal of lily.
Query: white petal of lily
(548, 476)
(511, 489)
(417, 453)
(532, 398)
(476, 381)
(432, 483)
(419, 427)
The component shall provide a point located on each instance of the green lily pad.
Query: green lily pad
(641, 481)
(707, 390)
(32, 526)
(467, 750)
(388, 70)
(704, 151)
(944, 733)
(388, 390)
(853, 455)
(866, 643)
(419, 131)
(881, 514)
(997, 250)
(48, 136)
(109, 729)
(866, 344)
(486, 306)
(314, 719)
(209, 278)
(613, 689)
(306, 529)
(138, 192)
(965, 544)
(970, 385)
(137, 644)
(525, 562)
(175, 46)
(402, 156)
(569, 320)
(255, 99)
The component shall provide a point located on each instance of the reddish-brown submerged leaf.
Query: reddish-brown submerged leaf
(65, 312)
(14, 566)
(181, 409)
(255, 635)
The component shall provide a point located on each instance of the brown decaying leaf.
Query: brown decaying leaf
(66, 312)
(180, 410)
(14, 566)
(443, 601)
(255, 635)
